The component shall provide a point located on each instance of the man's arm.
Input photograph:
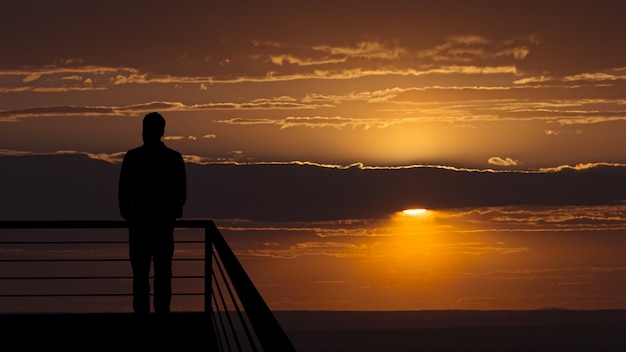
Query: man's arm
(181, 186)
(123, 190)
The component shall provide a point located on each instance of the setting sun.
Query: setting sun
(414, 211)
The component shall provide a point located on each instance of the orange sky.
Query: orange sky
(474, 87)
(496, 258)
(461, 83)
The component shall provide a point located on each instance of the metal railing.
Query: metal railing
(241, 320)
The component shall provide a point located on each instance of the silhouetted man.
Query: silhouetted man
(152, 192)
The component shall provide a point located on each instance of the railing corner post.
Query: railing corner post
(208, 265)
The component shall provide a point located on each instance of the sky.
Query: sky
(308, 127)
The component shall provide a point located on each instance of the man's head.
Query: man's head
(153, 127)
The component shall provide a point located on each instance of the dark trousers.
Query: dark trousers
(151, 242)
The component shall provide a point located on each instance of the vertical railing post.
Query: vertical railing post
(208, 267)
(209, 229)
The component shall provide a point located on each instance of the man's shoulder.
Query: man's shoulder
(134, 151)
(161, 149)
(172, 152)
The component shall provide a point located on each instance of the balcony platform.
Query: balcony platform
(97, 331)
(329, 331)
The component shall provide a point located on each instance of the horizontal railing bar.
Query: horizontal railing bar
(67, 295)
(92, 294)
(65, 277)
(87, 260)
(84, 242)
(88, 277)
(60, 260)
(88, 224)
(65, 242)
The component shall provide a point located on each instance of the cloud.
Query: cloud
(8, 152)
(292, 60)
(539, 301)
(86, 111)
(580, 166)
(496, 160)
(365, 49)
(548, 219)
(598, 76)
(222, 190)
(560, 276)
(31, 77)
(180, 138)
(336, 122)
(474, 48)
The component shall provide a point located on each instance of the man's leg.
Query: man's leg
(139, 252)
(163, 254)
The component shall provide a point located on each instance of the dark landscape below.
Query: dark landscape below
(540, 330)
(537, 330)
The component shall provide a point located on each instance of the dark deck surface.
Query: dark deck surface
(332, 331)
(98, 332)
